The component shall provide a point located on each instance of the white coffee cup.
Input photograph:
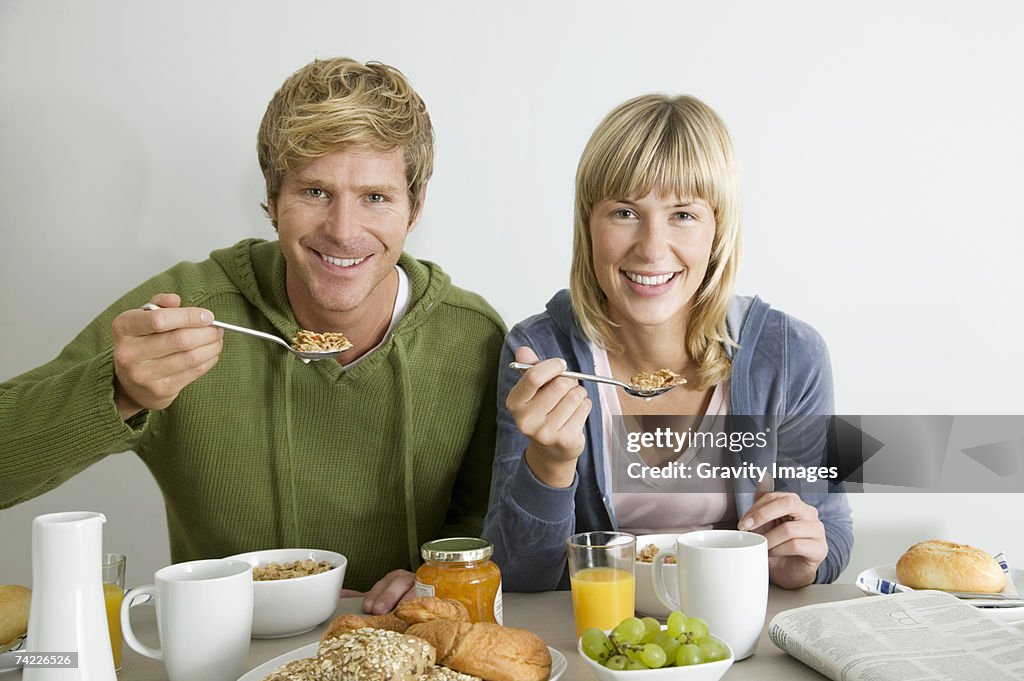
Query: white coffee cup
(723, 579)
(204, 616)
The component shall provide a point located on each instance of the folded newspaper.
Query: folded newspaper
(921, 635)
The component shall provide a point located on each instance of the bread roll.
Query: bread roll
(428, 608)
(440, 673)
(14, 605)
(374, 655)
(304, 669)
(490, 651)
(943, 565)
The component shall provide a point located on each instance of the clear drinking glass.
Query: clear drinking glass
(113, 594)
(601, 575)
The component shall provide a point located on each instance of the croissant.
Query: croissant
(345, 623)
(412, 611)
(487, 650)
(427, 608)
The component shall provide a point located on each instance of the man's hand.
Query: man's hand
(395, 586)
(551, 411)
(159, 352)
(796, 538)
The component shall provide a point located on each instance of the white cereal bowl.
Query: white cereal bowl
(647, 602)
(706, 671)
(286, 607)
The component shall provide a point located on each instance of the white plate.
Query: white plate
(1008, 614)
(12, 646)
(558, 663)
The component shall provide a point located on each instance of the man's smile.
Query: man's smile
(343, 262)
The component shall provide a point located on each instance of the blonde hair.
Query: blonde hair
(674, 146)
(332, 104)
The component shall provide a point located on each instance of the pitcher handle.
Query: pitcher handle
(138, 596)
(657, 576)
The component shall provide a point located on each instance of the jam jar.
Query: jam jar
(460, 568)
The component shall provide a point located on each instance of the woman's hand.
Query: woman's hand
(550, 411)
(796, 538)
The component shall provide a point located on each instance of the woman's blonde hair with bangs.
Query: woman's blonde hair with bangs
(674, 146)
(331, 104)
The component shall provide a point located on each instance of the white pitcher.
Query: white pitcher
(68, 612)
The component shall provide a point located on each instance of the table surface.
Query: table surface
(548, 614)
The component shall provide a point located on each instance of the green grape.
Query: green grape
(696, 628)
(661, 638)
(712, 649)
(616, 662)
(595, 644)
(688, 654)
(651, 628)
(671, 647)
(676, 620)
(653, 656)
(635, 664)
(629, 630)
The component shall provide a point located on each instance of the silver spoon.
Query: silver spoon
(630, 390)
(306, 357)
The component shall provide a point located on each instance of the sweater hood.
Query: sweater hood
(269, 294)
(560, 310)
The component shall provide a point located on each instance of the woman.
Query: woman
(655, 251)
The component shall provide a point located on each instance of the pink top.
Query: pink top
(658, 512)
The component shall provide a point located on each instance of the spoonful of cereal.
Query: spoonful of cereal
(641, 385)
(307, 345)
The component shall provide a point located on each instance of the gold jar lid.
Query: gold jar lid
(457, 550)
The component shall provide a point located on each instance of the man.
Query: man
(251, 447)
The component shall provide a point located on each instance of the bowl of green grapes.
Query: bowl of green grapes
(683, 648)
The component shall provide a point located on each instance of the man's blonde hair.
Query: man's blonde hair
(332, 104)
(673, 146)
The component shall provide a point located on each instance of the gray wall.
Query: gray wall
(880, 144)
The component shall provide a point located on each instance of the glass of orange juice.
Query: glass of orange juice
(113, 594)
(601, 576)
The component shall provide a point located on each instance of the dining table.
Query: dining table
(547, 614)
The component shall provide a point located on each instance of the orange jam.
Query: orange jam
(460, 568)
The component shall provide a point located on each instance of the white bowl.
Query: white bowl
(706, 671)
(286, 607)
(647, 602)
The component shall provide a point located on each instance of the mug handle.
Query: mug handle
(658, 577)
(138, 596)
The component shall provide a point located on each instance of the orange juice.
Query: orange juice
(602, 597)
(113, 595)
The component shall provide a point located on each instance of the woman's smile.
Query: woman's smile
(650, 283)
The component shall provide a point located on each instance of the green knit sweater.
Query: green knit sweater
(265, 451)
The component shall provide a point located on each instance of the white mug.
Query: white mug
(204, 616)
(723, 579)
